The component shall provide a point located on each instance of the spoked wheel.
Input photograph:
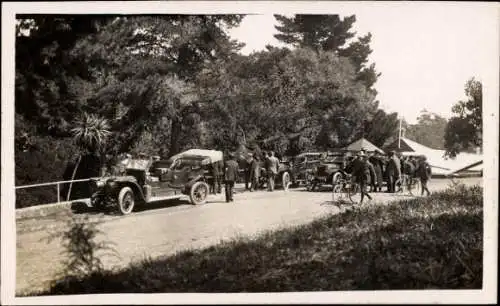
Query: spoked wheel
(198, 193)
(354, 193)
(336, 178)
(126, 201)
(285, 180)
(339, 193)
(399, 186)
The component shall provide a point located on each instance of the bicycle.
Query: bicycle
(407, 183)
(346, 188)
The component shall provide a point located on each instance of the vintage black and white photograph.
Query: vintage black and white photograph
(260, 151)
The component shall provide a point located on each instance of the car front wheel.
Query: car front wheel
(126, 200)
(198, 193)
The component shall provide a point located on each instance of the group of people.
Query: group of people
(228, 172)
(373, 170)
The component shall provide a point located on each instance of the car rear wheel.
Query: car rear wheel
(198, 193)
(285, 179)
(126, 201)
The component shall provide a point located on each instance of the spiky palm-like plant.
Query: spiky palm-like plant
(90, 133)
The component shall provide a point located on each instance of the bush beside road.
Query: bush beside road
(166, 231)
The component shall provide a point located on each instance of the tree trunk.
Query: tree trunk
(175, 136)
(73, 176)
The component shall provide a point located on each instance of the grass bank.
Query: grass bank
(423, 243)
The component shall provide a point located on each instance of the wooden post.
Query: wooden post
(58, 193)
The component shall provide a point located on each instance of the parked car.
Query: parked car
(303, 167)
(329, 171)
(283, 177)
(147, 181)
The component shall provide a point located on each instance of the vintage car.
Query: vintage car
(330, 169)
(283, 177)
(147, 181)
(303, 167)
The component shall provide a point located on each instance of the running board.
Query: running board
(157, 199)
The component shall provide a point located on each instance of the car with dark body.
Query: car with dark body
(146, 181)
(330, 169)
(283, 177)
(303, 167)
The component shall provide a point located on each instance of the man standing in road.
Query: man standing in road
(377, 164)
(273, 170)
(248, 170)
(424, 172)
(361, 172)
(230, 176)
(215, 186)
(255, 173)
(393, 171)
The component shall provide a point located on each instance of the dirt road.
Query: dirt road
(163, 230)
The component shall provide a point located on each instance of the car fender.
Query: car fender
(135, 188)
(191, 182)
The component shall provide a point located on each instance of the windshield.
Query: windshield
(138, 164)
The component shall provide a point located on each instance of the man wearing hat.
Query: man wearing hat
(362, 172)
(423, 172)
(230, 176)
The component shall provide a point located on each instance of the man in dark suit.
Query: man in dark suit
(215, 186)
(230, 176)
(393, 171)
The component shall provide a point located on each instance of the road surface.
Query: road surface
(164, 230)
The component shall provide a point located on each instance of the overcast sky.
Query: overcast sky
(425, 53)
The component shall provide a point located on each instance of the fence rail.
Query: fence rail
(58, 183)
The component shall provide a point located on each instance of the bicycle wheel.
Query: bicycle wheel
(339, 193)
(410, 185)
(354, 193)
(399, 185)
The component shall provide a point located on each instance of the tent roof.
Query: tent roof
(362, 144)
(408, 145)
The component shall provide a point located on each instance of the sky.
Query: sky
(425, 53)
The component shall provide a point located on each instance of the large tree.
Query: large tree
(329, 33)
(51, 81)
(152, 64)
(429, 130)
(464, 131)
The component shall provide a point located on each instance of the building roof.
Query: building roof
(436, 158)
(363, 144)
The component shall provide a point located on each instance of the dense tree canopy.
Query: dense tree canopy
(172, 82)
(464, 131)
(429, 130)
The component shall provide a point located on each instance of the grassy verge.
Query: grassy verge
(423, 243)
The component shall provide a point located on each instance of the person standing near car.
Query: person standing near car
(273, 170)
(424, 172)
(215, 186)
(393, 171)
(255, 173)
(230, 176)
(248, 170)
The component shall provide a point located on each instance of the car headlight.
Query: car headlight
(100, 184)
